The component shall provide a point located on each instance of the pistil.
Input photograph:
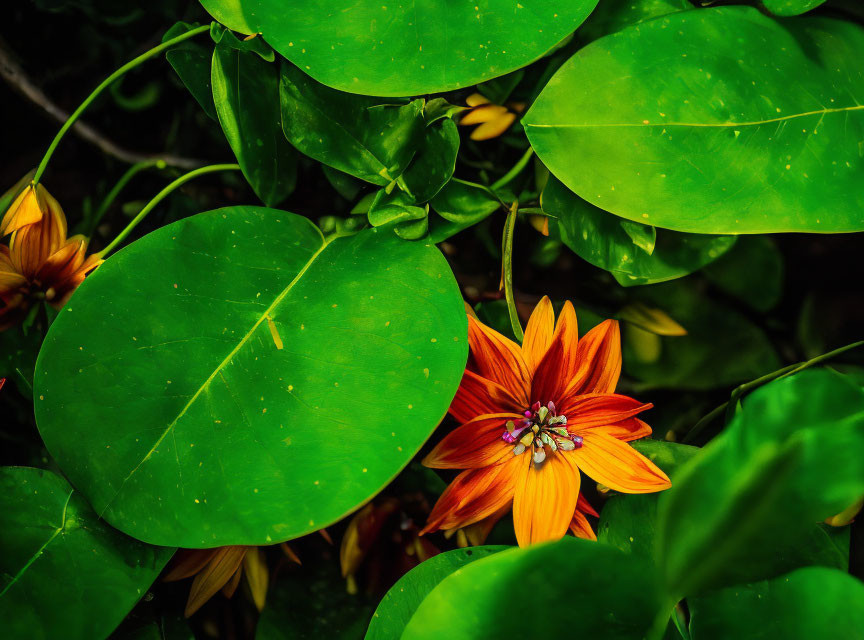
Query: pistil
(540, 429)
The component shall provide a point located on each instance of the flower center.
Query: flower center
(541, 429)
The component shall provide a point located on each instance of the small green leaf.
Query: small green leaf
(611, 16)
(403, 598)
(64, 573)
(794, 455)
(191, 62)
(434, 162)
(246, 94)
(790, 7)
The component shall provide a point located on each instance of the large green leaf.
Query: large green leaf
(790, 7)
(544, 591)
(63, 572)
(757, 133)
(613, 15)
(721, 348)
(399, 49)
(234, 378)
(793, 456)
(808, 604)
(616, 245)
(403, 598)
(246, 94)
(365, 137)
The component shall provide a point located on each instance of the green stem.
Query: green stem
(515, 171)
(507, 271)
(131, 172)
(186, 177)
(730, 405)
(107, 81)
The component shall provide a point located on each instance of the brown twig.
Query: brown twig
(14, 75)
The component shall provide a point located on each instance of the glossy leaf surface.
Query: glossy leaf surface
(473, 602)
(613, 243)
(809, 603)
(719, 139)
(63, 572)
(233, 378)
(393, 49)
(403, 598)
(792, 457)
(246, 94)
(191, 62)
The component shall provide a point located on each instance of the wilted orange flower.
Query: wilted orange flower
(532, 418)
(494, 119)
(40, 263)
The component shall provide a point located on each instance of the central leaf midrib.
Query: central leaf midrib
(279, 298)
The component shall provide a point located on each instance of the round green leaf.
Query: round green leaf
(794, 455)
(757, 133)
(543, 591)
(613, 15)
(616, 245)
(806, 604)
(64, 573)
(400, 603)
(375, 47)
(235, 378)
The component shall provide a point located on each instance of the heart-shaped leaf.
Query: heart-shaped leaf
(393, 49)
(235, 378)
(64, 573)
(713, 139)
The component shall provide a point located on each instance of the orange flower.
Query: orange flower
(533, 417)
(40, 263)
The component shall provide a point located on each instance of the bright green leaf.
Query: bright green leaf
(233, 378)
(611, 16)
(806, 604)
(622, 247)
(794, 455)
(757, 133)
(403, 598)
(246, 94)
(580, 585)
(790, 7)
(391, 49)
(64, 573)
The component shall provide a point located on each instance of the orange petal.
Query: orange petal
(62, 264)
(10, 279)
(580, 526)
(585, 507)
(257, 576)
(24, 210)
(559, 364)
(545, 501)
(617, 465)
(215, 575)
(476, 494)
(599, 409)
(483, 113)
(478, 396)
(475, 444)
(499, 359)
(231, 586)
(476, 99)
(627, 430)
(493, 127)
(538, 333)
(599, 361)
(292, 555)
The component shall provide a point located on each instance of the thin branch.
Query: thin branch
(14, 75)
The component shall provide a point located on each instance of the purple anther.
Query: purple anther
(528, 414)
(536, 406)
(577, 440)
(508, 437)
(551, 407)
